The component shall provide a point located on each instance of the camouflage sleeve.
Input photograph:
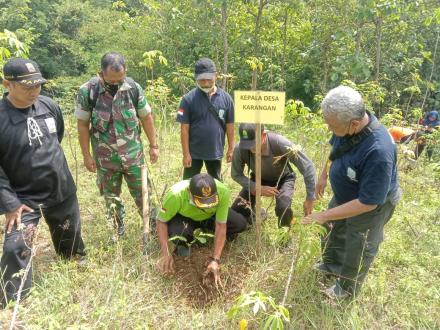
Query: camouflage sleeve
(142, 108)
(83, 108)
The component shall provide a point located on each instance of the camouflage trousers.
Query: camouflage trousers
(110, 181)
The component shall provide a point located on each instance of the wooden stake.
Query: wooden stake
(257, 174)
(145, 209)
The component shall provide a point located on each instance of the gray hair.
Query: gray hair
(345, 103)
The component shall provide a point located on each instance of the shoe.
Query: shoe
(121, 229)
(182, 251)
(335, 292)
(323, 269)
(116, 224)
(263, 216)
(231, 237)
(80, 260)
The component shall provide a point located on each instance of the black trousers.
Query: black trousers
(421, 144)
(183, 226)
(213, 167)
(352, 244)
(245, 202)
(65, 229)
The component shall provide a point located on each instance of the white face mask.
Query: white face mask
(206, 90)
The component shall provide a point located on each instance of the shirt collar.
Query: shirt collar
(18, 115)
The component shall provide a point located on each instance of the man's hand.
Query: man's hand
(90, 163)
(320, 186)
(165, 264)
(268, 191)
(313, 218)
(15, 217)
(308, 206)
(187, 160)
(229, 155)
(154, 155)
(214, 269)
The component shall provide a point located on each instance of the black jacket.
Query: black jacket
(31, 172)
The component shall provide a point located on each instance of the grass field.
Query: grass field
(119, 288)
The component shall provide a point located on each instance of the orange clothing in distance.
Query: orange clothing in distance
(397, 133)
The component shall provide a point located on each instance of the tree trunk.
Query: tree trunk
(283, 61)
(432, 69)
(225, 43)
(378, 23)
(257, 27)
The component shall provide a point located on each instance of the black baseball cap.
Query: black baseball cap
(203, 190)
(247, 135)
(204, 69)
(23, 71)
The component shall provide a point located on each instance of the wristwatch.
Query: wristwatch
(211, 259)
(154, 146)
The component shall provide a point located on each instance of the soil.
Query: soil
(199, 292)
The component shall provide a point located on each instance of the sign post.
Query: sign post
(259, 107)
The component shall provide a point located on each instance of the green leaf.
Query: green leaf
(177, 238)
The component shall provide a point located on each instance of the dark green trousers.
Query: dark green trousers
(351, 244)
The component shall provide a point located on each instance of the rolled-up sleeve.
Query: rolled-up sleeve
(143, 109)
(83, 108)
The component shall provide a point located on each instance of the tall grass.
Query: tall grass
(120, 289)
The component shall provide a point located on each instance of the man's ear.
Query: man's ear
(356, 123)
(6, 83)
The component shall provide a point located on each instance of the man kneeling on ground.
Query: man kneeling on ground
(277, 175)
(201, 202)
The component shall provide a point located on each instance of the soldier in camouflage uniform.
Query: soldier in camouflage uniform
(115, 105)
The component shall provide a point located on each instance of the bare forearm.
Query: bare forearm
(324, 172)
(162, 234)
(219, 239)
(149, 129)
(230, 135)
(84, 137)
(346, 210)
(184, 138)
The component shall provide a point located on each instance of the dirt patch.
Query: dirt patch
(200, 293)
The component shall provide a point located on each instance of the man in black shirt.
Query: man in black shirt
(277, 176)
(35, 180)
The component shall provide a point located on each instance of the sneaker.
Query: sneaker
(263, 215)
(321, 268)
(121, 229)
(335, 292)
(231, 237)
(80, 260)
(116, 224)
(182, 251)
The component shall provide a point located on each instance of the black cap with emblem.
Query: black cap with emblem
(23, 71)
(203, 190)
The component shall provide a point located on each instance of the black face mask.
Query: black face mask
(112, 89)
